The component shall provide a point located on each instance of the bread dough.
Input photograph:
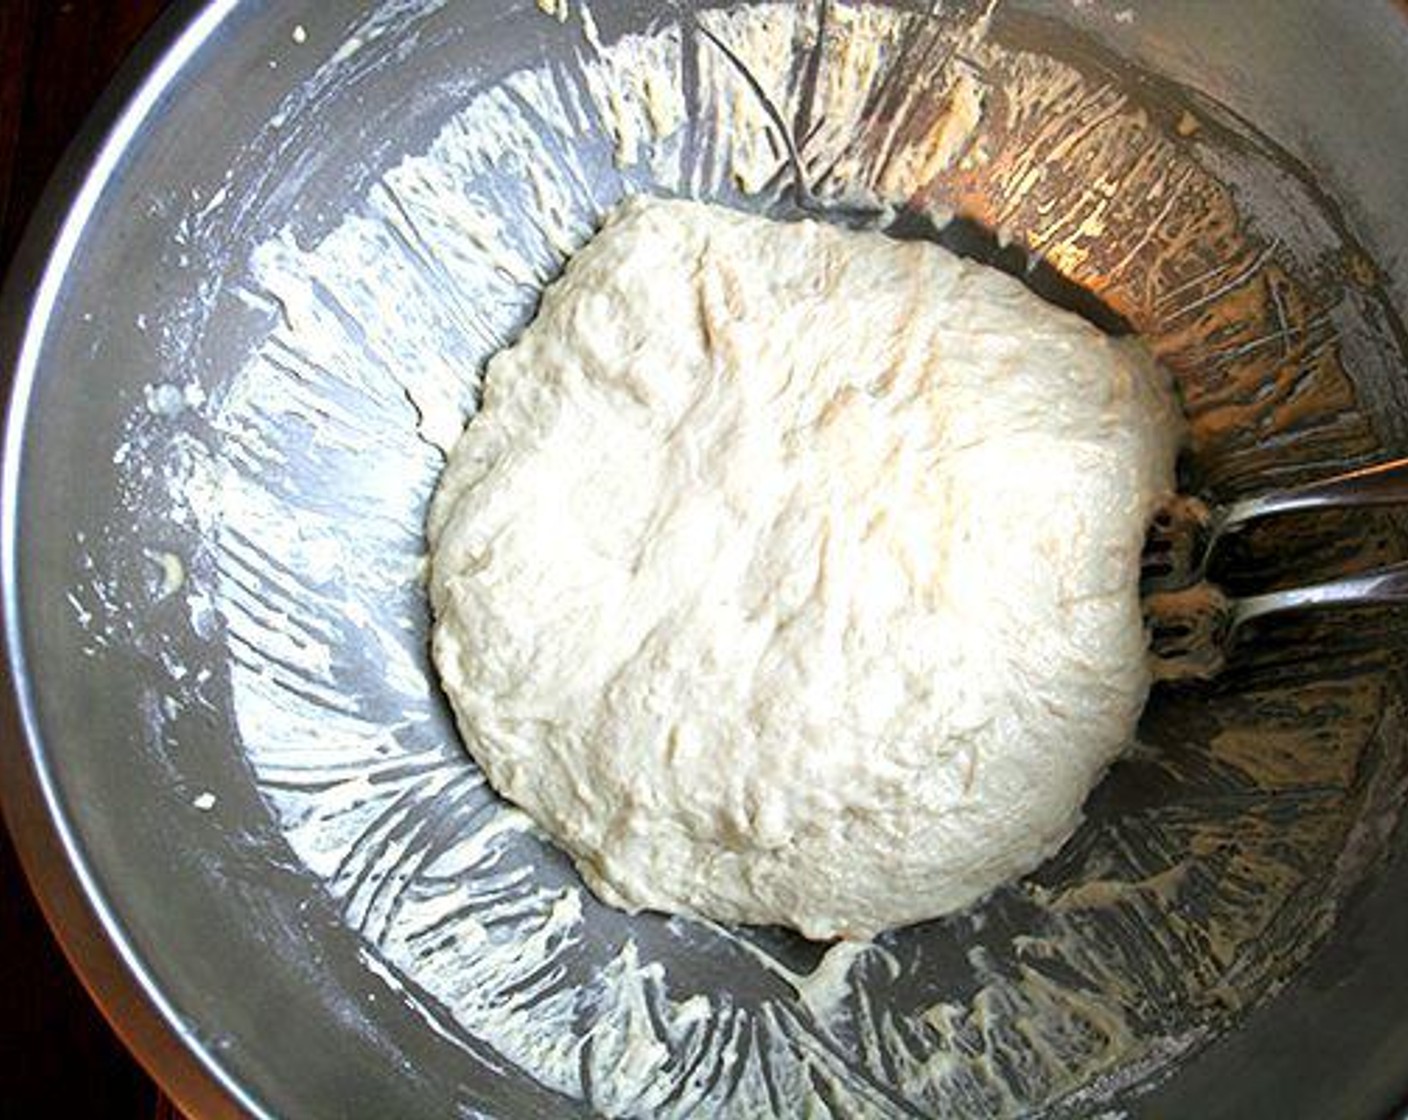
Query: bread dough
(789, 574)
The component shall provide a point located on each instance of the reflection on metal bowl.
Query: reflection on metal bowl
(292, 255)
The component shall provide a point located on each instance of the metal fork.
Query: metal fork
(1193, 624)
(1185, 534)
(1192, 629)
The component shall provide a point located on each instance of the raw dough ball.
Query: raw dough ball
(790, 574)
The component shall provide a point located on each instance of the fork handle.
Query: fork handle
(1387, 585)
(1384, 484)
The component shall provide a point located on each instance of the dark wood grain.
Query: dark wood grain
(58, 1058)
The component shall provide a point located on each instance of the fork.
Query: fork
(1193, 624)
(1193, 629)
(1186, 533)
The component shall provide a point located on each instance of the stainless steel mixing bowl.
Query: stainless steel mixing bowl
(282, 251)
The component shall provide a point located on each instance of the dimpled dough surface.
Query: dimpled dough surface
(789, 574)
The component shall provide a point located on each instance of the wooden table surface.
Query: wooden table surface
(58, 1058)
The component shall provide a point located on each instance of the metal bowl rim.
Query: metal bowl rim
(74, 902)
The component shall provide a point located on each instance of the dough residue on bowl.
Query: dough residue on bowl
(789, 574)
